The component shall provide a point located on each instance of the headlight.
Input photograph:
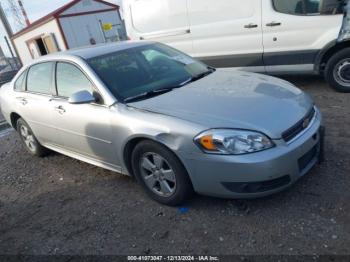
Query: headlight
(232, 141)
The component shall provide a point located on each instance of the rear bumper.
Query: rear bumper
(258, 174)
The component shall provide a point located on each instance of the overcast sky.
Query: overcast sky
(35, 10)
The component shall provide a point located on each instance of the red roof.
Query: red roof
(56, 13)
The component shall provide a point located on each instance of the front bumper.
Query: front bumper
(258, 174)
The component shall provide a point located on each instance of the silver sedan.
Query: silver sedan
(175, 124)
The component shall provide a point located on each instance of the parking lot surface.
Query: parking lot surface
(1, 117)
(58, 205)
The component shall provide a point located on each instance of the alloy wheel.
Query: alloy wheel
(158, 174)
(28, 138)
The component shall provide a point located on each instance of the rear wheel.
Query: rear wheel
(161, 173)
(29, 139)
(337, 72)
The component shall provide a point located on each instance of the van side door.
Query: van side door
(163, 21)
(294, 32)
(227, 33)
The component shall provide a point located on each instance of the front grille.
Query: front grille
(292, 132)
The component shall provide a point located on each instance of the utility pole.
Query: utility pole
(18, 14)
(24, 13)
(5, 22)
(7, 27)
(12, 55)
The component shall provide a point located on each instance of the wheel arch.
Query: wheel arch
(127, 152)
(327, 52)
(131, 144)
(14, 118)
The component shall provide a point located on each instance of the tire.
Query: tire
(161, 173)
(337, 72)
(29, 140)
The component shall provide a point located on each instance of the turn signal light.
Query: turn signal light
(207, 142)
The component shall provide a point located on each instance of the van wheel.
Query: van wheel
(337, 72)
(161, 173)
(31, 143)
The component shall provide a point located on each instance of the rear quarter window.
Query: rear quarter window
(19, 84)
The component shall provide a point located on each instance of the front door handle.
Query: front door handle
(22, 100)
(251, 25)
(273, 24)
(60, 109)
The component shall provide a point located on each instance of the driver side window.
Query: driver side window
(70, 79)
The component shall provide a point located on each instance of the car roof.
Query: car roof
(102, 49)
(87, 52)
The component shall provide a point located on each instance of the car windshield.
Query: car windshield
(144, 70)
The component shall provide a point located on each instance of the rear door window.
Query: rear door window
(39, 79)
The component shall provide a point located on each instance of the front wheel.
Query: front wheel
(337, 72)
(161, 173)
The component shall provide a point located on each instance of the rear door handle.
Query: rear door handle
(273, 24)
(251, 25)
(22, 100)
(60, 109)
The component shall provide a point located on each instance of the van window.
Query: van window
(39, 79)
(150, 16)
(309, 7)
(19, 84)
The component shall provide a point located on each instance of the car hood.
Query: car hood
(234, 100)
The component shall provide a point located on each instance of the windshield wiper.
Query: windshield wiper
(203, 74)
(145, 95)
(155, 92)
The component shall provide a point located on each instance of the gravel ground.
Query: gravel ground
(1, 117)
(57, 205)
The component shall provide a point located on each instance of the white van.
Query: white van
(268, 36)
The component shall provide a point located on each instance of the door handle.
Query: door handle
(22, 100)
(251, 25)
(273, 24)
(60, 109)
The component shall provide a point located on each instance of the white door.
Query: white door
(227, 33)
(33, 49)
(294, 31)
(164, 21)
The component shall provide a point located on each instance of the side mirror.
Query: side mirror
(81, 97)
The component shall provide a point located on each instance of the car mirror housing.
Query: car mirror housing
(81, 97)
